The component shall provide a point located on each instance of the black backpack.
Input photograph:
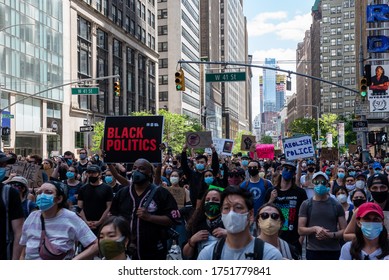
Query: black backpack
(256, 255)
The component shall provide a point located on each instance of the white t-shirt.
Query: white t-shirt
(269, 252)
(345, 253)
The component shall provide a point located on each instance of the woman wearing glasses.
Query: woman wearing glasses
(269, 222)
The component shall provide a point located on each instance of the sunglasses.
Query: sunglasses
(265, 216)
(317, 182)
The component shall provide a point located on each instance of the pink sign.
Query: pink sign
(265, 151)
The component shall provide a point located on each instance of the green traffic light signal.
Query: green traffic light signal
(363, 88)
(180, 80)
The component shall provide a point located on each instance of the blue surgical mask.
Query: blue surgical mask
(245, 162)
(377, 171)
(82, 156)
(2, 173)
(108, 179)
(287, 175)
(371, 230)
(340, 175)
(208, 180)
(168, 171)
(352, 173)
(200, 166)
(70, 175)
(328, 173)
(45, 201)
(321, 189)
(69, 161)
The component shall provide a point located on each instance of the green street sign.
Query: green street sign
(8, 116)
(225, 77)
(85, 91)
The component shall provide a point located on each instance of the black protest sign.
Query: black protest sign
(329, 154)
(128, 138)
(247, 141)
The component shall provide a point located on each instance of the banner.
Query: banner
(222, 146)
(265, 151)
(298, 147)
(247, 141)
(30, 171)
(329, 154)
(199, 139)
(128, 138)
(378, 90)
(341, 137)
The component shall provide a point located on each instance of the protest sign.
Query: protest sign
(197, 140)
(298, 147)
(353, 149)
(265, 151)
(329, 154)
(30, 171)
(247, 141)
(128, 138)
(222, 146)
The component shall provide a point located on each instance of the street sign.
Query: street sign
(226, 77)
(8, 116)
(87, 128)
(85, 90)
(362, 108)
(360, 126)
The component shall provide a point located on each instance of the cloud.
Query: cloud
(278, 23)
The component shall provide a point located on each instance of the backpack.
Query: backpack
(8, 230)
(256, 255)
(309, 207)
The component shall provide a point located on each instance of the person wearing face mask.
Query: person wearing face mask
(205, 226)
(149, 221)
(94, 199)
(62, 166)
(114, 238)
(378, 187)
(357, 197)
(342, 195)
(244, 163)
(112, 182)
(371, 236)
(270, 220)
(73, 185)
(196, 177)
(83, 161)
(63, 227)
(256, 185)
(340, 179)
(322, 220)
(237, 213)
(377, 168)
(306, 180)
(288, 196)
(235, 177)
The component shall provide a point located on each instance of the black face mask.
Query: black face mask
(358, 202)
(311, 169)
(379, 197)
(93, 179)
(138, 177)
(253, 172)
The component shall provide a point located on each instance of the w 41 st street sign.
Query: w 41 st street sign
(226, 77)
(85, 90)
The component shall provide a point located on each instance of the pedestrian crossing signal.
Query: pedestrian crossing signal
(116, 88)
(180, 80)
(363, 88)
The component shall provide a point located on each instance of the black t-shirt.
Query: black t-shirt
(150, 244)
(15, 211)
(95, 200)
(289, 202)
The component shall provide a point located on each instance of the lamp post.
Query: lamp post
(317, 119)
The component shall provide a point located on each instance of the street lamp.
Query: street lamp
(317, 119)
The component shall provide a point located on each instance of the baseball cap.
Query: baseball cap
(377, 165)
(93, 168)
(360, 174)
(290, 163)
(19, 179)
(310, 162)
(320, 173)
(369, 207)
(377, 178)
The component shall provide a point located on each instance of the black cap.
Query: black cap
(93, 168)
(377, 178)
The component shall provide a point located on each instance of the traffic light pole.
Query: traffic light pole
(51, 88)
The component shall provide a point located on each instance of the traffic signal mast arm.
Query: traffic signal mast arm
(268, 68)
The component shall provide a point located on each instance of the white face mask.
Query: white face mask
(174, 180)
(342, 198)
(360, 184)
(350, 187)
(234, 222)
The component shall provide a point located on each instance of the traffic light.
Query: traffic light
(5, 131)
(116, 88)
(363, 88)
(180, 80)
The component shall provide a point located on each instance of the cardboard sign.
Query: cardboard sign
(197, 140)
(222, 146)
(265, 151)
(128, 138)
(298, 147)
(329, 154)
(30, 171)
(247, 141)
(353, 149)
(179, 195)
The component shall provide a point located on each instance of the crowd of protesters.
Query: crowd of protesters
(199, 206)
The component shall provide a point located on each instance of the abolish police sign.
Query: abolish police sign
(299, 147)
(127, 139)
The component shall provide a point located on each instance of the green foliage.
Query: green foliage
(238, 141)
(266, 139)
(175, 128)
(307, 126)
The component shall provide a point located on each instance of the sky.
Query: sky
(274, 29)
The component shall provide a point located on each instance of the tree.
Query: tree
(175, 128)
(307, 126)
(238, 141)
(266, 139)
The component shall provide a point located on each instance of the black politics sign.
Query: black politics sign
(128, 138)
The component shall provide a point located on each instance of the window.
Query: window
(143, 12)
(164, 96)
(163, 63)
(162, 30)
(162, 47)
(163, 79)
(162, 13)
